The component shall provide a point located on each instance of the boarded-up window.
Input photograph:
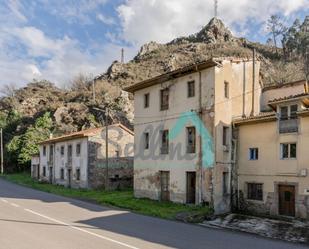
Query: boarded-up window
(255, 191)
(164, 99)
(191, 139)
(164, 142)
(191, 89)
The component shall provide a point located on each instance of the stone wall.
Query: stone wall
(120, 172)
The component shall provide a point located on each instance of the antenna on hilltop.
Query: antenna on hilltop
(122, 55)
(216, 8)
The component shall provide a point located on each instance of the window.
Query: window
(44, 171)
(225, 182)
(117, 153)
(70, 151)
(164, 99)
(77, 174)
(225, 134)
(78, 149)
(191, 89)
(44, 150)
(51, 152)
(146, 140)
(288, 112)
(146, 100)
(191, 139)
(62, 150)
(253, 154)
(226, 89)
(164, 142)
(62, 174)
(288, 151)
(255, 191)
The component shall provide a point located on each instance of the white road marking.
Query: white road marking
(80, 229)
(14, 205)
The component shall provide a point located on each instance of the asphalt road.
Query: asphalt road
(31, 219)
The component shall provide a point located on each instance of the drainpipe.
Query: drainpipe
(253, 82)
(200, 139)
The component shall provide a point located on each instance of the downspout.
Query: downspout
(253, 83)
(200, 138)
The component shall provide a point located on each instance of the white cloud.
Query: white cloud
(15, 6)
(162, 21)
(106, 19)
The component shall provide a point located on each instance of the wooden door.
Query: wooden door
(287, 200)
(165, 185)
(191, 183)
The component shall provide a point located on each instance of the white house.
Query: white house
(215, 91)
(79, 159)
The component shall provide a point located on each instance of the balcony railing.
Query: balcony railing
(288, 125)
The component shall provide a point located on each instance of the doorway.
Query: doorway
(69, 178)
(286, 200)
(191, 186)
(165, 183)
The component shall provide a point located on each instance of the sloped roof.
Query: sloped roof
(288, 84)
(84, 133)
(261, 117)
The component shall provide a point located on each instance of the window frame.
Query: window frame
(62, 174)
(189, 150)
(164, 149)
(255, 196)
(226, 89)
(225, 135)
(164, 106)
(78, 145)
(289, 157)
(255, 155)
(62, 150)
(146, 100)
(191, 91)
(146, 140)
(289, 113)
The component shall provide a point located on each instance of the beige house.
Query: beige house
(79, 159)
(216, 91)
(273, 156)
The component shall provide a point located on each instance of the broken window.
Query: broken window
(191, 138)
(255, 191)
(191, 89)
(164, 142)
(164, 99)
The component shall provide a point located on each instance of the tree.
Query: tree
(276, 28)
(80, 82)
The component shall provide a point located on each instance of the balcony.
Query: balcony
(288, 125)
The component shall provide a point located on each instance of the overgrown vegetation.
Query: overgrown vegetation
(121, 199)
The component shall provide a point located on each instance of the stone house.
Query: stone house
(193, 166)
(272, 155)
(78, 159)
(35, 166)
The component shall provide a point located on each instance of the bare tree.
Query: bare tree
(81, 82)
(275, 28)
(8, 90)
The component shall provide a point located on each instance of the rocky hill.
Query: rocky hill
(75, 109)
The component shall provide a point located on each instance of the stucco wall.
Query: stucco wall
(270, 169)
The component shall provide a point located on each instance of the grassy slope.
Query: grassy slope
(121, 199)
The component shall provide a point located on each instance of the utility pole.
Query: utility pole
(122, 55)
(1, 144)
(106, 148)
(93, 90)
(216, 8)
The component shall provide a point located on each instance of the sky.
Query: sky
(59, 39)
